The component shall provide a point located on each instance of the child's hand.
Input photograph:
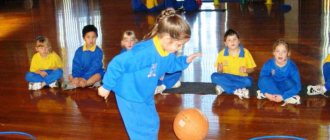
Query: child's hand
(162, 78)
(103, 92)
(42, 73)
(278, 98)
(242, 69)
(190, 58)
(220, 67)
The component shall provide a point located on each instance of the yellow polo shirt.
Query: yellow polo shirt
(52, 61)
(232, 64)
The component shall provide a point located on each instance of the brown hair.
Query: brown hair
(173, 24)
(281, 42)
(230, 32)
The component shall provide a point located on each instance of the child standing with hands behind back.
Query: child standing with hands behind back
(233, 64)
(133, 75)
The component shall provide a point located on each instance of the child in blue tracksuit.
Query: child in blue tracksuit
(87, 67)
(233, 64)
(322, 89)
(279, 78)
(46, 66)
(133, 75)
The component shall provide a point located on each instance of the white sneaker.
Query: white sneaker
(30, 85)
(260, 95)
(246, 93)
(315, 90)
(177, 84)
(292, 100)
(242, 93)
(238, 92)
(37, 86)
(53, 85)
(160, 89)
(219, 90)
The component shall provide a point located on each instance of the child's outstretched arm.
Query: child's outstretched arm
(182, 62)
(191, 57)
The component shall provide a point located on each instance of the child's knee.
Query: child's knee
(215, 77)
(264, 81)
(58, 72)
(248, 82)
(29, 75)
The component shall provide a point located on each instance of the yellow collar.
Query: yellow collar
(158, 46)
(92, 49)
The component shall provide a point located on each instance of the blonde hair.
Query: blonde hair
(43, 42)
(130, 34)
(173, 24)
(281, 42)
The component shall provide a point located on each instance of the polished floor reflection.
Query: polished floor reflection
(82, 114)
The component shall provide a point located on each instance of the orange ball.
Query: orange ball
(191, 124)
